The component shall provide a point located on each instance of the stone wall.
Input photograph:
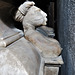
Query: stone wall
(66, 34)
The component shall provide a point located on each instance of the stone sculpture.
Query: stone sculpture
(28, 53)
(36, 17)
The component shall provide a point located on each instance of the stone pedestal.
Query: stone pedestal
(52, 66)
(51, 70)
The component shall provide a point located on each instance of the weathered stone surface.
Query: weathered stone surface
(9, 64)
(5, 31)
(51, 70)
(8, 35)
(46, 31)
(22, 10)
(66, 34)
(22, 58)
(48, 47)
(6, 42)
(57, 60)
(19, 58)
(34, 17)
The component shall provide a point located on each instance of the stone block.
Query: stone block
(51, 70)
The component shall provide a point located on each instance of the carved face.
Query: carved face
(35, 16)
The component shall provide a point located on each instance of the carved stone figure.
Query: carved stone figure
(36, 17)
(28, 52)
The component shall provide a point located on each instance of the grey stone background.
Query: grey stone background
(66, 34)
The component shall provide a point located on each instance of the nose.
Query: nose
(43, 13)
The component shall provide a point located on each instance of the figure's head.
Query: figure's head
(30, 15)
(35, 16)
